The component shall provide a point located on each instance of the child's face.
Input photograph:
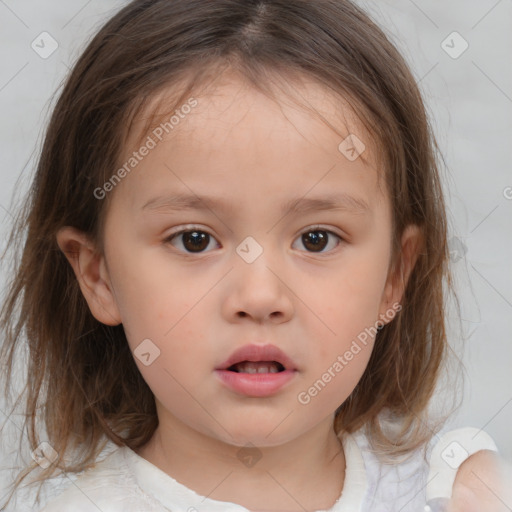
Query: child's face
(311, 301)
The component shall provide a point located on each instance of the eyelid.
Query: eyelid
(312, 227)
(319, 227)
(187, 228)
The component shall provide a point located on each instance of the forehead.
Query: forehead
(227, 98)
(300, 131)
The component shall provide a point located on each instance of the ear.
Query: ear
(411, 246)
(92, 275)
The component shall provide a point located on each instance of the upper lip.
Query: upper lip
(256, 353)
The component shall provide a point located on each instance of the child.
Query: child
(234, 267)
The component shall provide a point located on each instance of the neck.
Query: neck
(306, 473)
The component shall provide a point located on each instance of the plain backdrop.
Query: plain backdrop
(459, 52)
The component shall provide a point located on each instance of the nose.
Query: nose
(260, 291)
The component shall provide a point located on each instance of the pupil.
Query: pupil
(317, 240)
(198, 240)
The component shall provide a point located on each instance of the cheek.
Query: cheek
(333, 382)
(171, 385)
(172, 319)
(148, 293)
(348, 305)
(350, 298)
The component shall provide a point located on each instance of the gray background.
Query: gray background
(470, 102)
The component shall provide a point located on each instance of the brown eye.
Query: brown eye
(316, 240)
(192, 241)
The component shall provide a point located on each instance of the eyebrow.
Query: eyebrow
(180, 202)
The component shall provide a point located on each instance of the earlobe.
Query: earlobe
(91, 273)
(411, 247)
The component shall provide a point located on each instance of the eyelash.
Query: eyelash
(311, 229)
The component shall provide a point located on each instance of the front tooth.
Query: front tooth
(250, 367)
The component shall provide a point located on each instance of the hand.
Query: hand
(483, 484)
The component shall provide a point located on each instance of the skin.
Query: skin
(482, 483)
(197, 308)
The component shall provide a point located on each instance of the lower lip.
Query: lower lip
(255, 384)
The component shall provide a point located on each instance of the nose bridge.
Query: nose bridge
(257, 286)
(258, 261)
(250, 250)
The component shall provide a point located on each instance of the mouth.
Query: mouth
(255, 358)
(257, 371)
(257, 367)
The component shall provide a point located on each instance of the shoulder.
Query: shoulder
(394, 486)
(429, 472)
(109, 486)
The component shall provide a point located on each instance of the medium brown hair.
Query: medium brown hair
(81, 373)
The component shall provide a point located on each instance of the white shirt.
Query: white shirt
(126, 482)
